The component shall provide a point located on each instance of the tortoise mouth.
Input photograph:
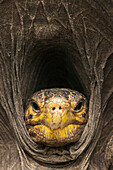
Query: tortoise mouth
(55, 138)
(60, 126)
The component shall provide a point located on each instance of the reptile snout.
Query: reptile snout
(56, 110)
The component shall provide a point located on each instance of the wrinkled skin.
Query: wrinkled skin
(46, 44)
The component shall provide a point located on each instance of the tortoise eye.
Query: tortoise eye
(35, 107)
(79, 106)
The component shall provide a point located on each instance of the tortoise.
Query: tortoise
(56, 45)
(56, 117)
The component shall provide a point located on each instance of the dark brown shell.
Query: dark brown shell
(46, 44)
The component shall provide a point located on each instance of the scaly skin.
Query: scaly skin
(56, 117)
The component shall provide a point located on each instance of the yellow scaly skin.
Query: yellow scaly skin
(56, 117)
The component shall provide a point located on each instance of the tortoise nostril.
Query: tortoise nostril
(53, 108)
(60, 108)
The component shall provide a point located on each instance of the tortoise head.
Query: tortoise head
(56, 117)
